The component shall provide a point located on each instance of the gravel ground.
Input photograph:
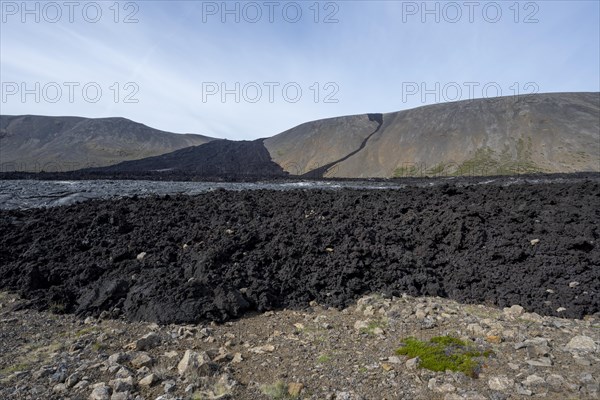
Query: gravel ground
(317, 353)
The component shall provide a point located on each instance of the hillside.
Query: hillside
(557, 132)
(545, 133)
(34, 143)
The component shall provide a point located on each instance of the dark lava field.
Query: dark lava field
(221, 254)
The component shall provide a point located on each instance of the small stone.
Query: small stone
(205, 332)
(89, 320)
(361, 325)
(446, 387)
(197, 363)
(541, 362)
(268, 348)
(453, 396)
(169, 386)
(59, 388)
(475, 329)
(101, 392)
(534, 242)
(413, 363)
(522, 391)
(443, 388)
(560, 309)
(573, 284)
(493, 339)
(148, 380)
(501, 383)
(72, 380)
(81, 385)
(534, 380)
(146, 342)
(141, 256)
(118, 358)
(582, 361)
(378, 331)
(394, 360)
(60, 376)
(557, 382)
(122, 384)
(171, 354)
(428, 323)
(295, 388)
(387, 367)
(237, 358)
(142, 360)
(120, 396)
(191, 388)
(43, 372)
(581, 343)
(123, 372)
(514, 311)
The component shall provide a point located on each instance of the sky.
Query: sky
(248, 70)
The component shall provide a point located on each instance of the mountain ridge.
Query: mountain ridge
(63, 143)
(545, 133)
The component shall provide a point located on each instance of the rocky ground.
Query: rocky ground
(220, 255)
(314, 353)
(306, 294)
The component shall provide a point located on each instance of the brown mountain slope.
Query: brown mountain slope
(557, 132)
(34, 143)
(311, 145)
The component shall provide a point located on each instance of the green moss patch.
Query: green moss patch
(444, 353)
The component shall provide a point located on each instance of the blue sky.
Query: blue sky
(166, 64)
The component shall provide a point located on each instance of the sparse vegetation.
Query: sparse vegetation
(436, 170)
(323, 358)
(373, 325)
(406, 171)
(161, 370)
(84, 331)
(444, 353)
(277, 391)
(58, 308)
(486, 161)
(13, 368)
(218, 391)
(96, 346)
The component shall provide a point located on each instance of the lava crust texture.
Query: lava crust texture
(219, 255)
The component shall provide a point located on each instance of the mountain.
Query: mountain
(34, 143)
(313, 145)
(556, 132)
(549, 133)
